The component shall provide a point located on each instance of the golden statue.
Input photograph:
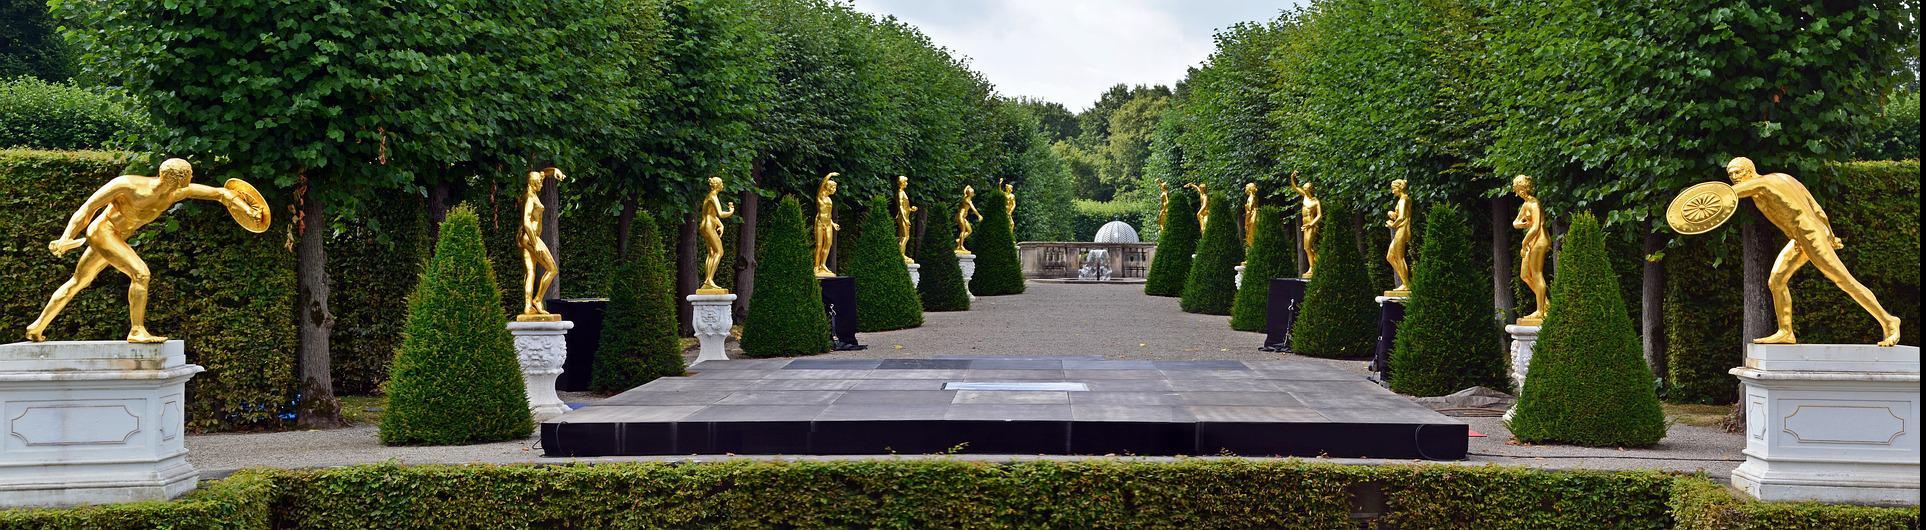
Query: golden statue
(124, 205)
(826, 226)
(1203, 205)
(1009, 205)
(903, 211)
(711, 231)
(1163, 203)
(963, 219)
(1250, 213)
(1791, 207)
(1532, 251)
(535, 253)
(1399, 221)
(1311, 213)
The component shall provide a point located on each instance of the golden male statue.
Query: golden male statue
(1163, 203)
(903, 211)
(711, 231)
(118, 209)
(1203, 204)
(535, 252)
(963, 218)
(1531, 251)
(1399, 221)
(1250, 213)
(826, 227)
(1009, 205)
(1311, 212)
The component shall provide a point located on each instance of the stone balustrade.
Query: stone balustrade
(1062, 259)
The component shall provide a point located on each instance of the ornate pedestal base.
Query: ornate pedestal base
(1831, 423)
(542, 346)
(1240, 276)
(968, 263)
(1523, 338)
(916, 274)
(714, 314)
(93, 422)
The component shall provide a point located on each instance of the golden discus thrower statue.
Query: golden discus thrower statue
(118, 209)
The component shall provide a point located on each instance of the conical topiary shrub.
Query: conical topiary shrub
(1339, 318)
(885, 299)
(639, 341)
(998, 272)
(786, 314)
(1449, 340)
(455, 379)
(1270, 256)
(1588, 383)
(941, 286)
(1212, 284)
(1170, 267)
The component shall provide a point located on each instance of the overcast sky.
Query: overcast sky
(1069, 51)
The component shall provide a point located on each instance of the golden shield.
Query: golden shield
(256, 221)
(1701, 208)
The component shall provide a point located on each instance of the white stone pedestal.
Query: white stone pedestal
(1240, 276)
(1830, 423)
(916, 274)
(714, 314)
(1523, 338)
(93, 422)
(542, 346)
(968, 263)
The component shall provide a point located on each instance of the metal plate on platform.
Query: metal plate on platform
(1034, 386)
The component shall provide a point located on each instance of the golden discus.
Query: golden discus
(256, 221)
(1701, 208)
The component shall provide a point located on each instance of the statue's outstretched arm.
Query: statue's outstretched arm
(77, 224)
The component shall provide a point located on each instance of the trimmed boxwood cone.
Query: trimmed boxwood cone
(456, 379)
(786, 315)
(941, 287)
(1449, 340)
(885, 299)
(639, 341)
(1211, 286)
(998, 272)
(1270, 256)
(1340, 318)
(1588, 383)
(1170, 267)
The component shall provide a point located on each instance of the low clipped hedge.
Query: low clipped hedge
(941, 493)
(61, 115)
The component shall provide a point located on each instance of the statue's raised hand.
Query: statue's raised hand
(61, 246)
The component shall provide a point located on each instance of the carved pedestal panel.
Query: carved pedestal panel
(916, 274)
(968, 263)
(1239, 279)
(93, 422)
(1832, 423)
(714, 314)
(542, 347)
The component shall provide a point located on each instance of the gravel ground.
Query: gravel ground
(1050, 320)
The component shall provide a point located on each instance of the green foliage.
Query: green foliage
(1876, 212)
(29, 45)
(786, 314)
(374, 255)
(1895, 134)
(639, 341)
(1059, 124)
(885, 299)
(1703, 320)
(456, 377)
(59, 115)
(1170, 267)
(1449, 340)
(1089, 216)
(226, 292)
(1211, 286)
(1700, 504)
(1272, 255)
(242, 501)
(941, 287)
(1339, 319)
(1589, 384)
(998, 272)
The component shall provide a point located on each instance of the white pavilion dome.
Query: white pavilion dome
(1116, 232)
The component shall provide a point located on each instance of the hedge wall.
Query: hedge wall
(1092, 215)
(1227, 493)
(60, 115)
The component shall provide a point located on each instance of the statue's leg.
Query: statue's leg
(711, 259)
(528, 280)
(115, 250)
(1779, 284)
(545, 260)
(1827, 261)
(84, 273)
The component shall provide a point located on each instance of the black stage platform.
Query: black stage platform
(1008, 406)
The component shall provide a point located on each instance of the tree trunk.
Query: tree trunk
(1501, 295)
(318, 408)
(552, 233)
(687, 277)
(438, 196)
(1652, 304)
(624, 227)
(1757, 251)
(748, 211)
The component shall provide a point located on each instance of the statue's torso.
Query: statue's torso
(1790, 207)
(140, 202)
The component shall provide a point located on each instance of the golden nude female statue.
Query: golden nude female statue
(118, 209)
(535, 252)
(963, 218)
(1203, 204)
(826, 227)
(1399, 221)
(1250, 213)
(711, 231)
(1791, 207)
(1532, 251)
(903, 211)
(1009, 205)
(1311, 217)
(1163, 203)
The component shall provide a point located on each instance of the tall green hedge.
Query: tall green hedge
(1170, 267)
(941, 287)
(228, 293)
(61, 115)
(786, 314)
(456, 377)
(1211, 286)
(998, 271)
(639, 340)
(884, 296)
(1588, 383)
(1089, 216)
(1340, 317)
(1449, 340)
(375, 254)
(1272, 255)
(1703, 321)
